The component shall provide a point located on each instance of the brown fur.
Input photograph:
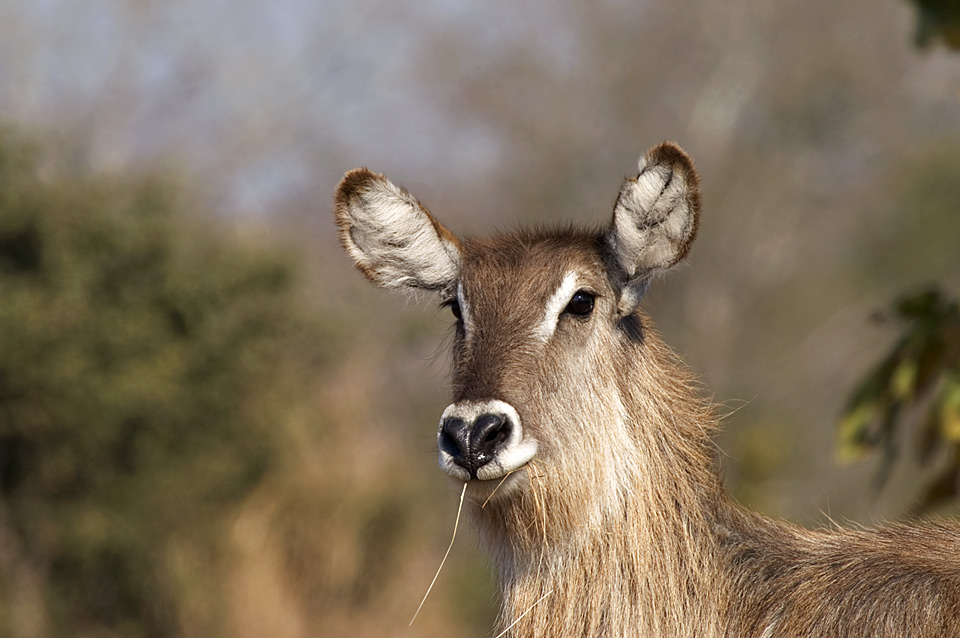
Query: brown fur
(620, 525)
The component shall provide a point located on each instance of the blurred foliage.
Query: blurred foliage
(938, 19)
(917, 387)
(141, 364)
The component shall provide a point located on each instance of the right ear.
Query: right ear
(393, 239)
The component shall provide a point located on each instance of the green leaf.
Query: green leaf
(950, 410)
(918, 304)
(903, 380)
(937, 19)
(855, 432)
(895, 395)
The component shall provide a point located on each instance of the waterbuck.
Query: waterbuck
(605, 512)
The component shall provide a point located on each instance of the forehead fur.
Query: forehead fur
(536, 256)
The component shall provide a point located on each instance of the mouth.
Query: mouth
(506, 462)
(486, 491)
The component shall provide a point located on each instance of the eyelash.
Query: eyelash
(454, 307)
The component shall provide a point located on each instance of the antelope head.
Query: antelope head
(553, 365)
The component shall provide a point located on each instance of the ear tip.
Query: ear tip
(671, 154)
(346, 192)
(354, 181)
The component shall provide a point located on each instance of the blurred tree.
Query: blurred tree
(938, 19)
(140, 388)
(916, 386)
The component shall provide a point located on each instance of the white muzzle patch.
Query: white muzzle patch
(512, 453)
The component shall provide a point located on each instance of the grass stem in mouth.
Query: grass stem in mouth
(449, 547)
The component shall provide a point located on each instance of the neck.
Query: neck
(622, 549)
(622, 572)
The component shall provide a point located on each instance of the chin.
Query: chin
(498, 490)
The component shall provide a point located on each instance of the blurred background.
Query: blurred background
(211, 425)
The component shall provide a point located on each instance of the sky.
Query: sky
(258, 97)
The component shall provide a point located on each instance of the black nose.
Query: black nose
(473, 444)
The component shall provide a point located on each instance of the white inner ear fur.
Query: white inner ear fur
(652, 220)
(393, 237)
(555, 305)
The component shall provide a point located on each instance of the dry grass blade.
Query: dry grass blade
(449, 547)
(497, 488)
(520, 617)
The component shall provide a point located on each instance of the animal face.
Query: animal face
(548, 335)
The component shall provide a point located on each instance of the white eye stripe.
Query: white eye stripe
(464, 310)
(555, 305)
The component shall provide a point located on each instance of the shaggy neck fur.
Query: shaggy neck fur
(619, 551)
(647, 543)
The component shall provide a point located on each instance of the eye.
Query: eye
(581, 304)
(454, 306)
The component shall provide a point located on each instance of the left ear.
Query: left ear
(654, 221)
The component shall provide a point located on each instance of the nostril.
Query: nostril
(489, 432)
(454, 437)
(448, 444)
(495, 435)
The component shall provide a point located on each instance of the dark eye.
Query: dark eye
(454, 306)
(581, 304)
